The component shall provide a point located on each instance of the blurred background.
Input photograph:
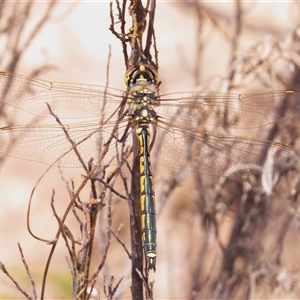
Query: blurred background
(216, 240)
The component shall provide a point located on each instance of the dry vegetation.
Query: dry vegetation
(234, 236)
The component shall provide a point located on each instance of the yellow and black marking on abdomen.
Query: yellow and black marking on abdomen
(147, 196)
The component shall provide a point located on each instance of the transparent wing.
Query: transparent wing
(49, 143)
(184, 141)
(67, 100)
(204, 152)
(53, 144)
(180, 139)
(229, 110)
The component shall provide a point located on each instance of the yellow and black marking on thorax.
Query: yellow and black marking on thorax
(142, 81)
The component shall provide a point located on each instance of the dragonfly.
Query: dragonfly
(189, 131)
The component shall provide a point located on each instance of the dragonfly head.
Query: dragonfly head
(145, 73)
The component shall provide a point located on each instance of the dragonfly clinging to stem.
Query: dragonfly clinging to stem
(172, 128)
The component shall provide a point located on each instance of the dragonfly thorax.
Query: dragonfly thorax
(142, 95)
(141, 107)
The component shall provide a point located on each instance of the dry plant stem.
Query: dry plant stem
(199, 43)
(138, 14)
(4, 270)
(120, 242)
(136, 255)
(67, 236)
(250, 208)
(111, 291)
(92, 218)
(74, 145)
(108, 185)
(76, 194)
(18, 41)
(28, 271)
(253, 209)
(238, 25)
(109, 239)
(122, 35)
(73, 148)
(91, 212)
(17, 36)
(198, 271)
(151, 35)
(80, 263)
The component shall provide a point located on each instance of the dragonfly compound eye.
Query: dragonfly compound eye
(147, 72)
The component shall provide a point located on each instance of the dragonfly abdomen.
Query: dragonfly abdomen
(147, 197)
